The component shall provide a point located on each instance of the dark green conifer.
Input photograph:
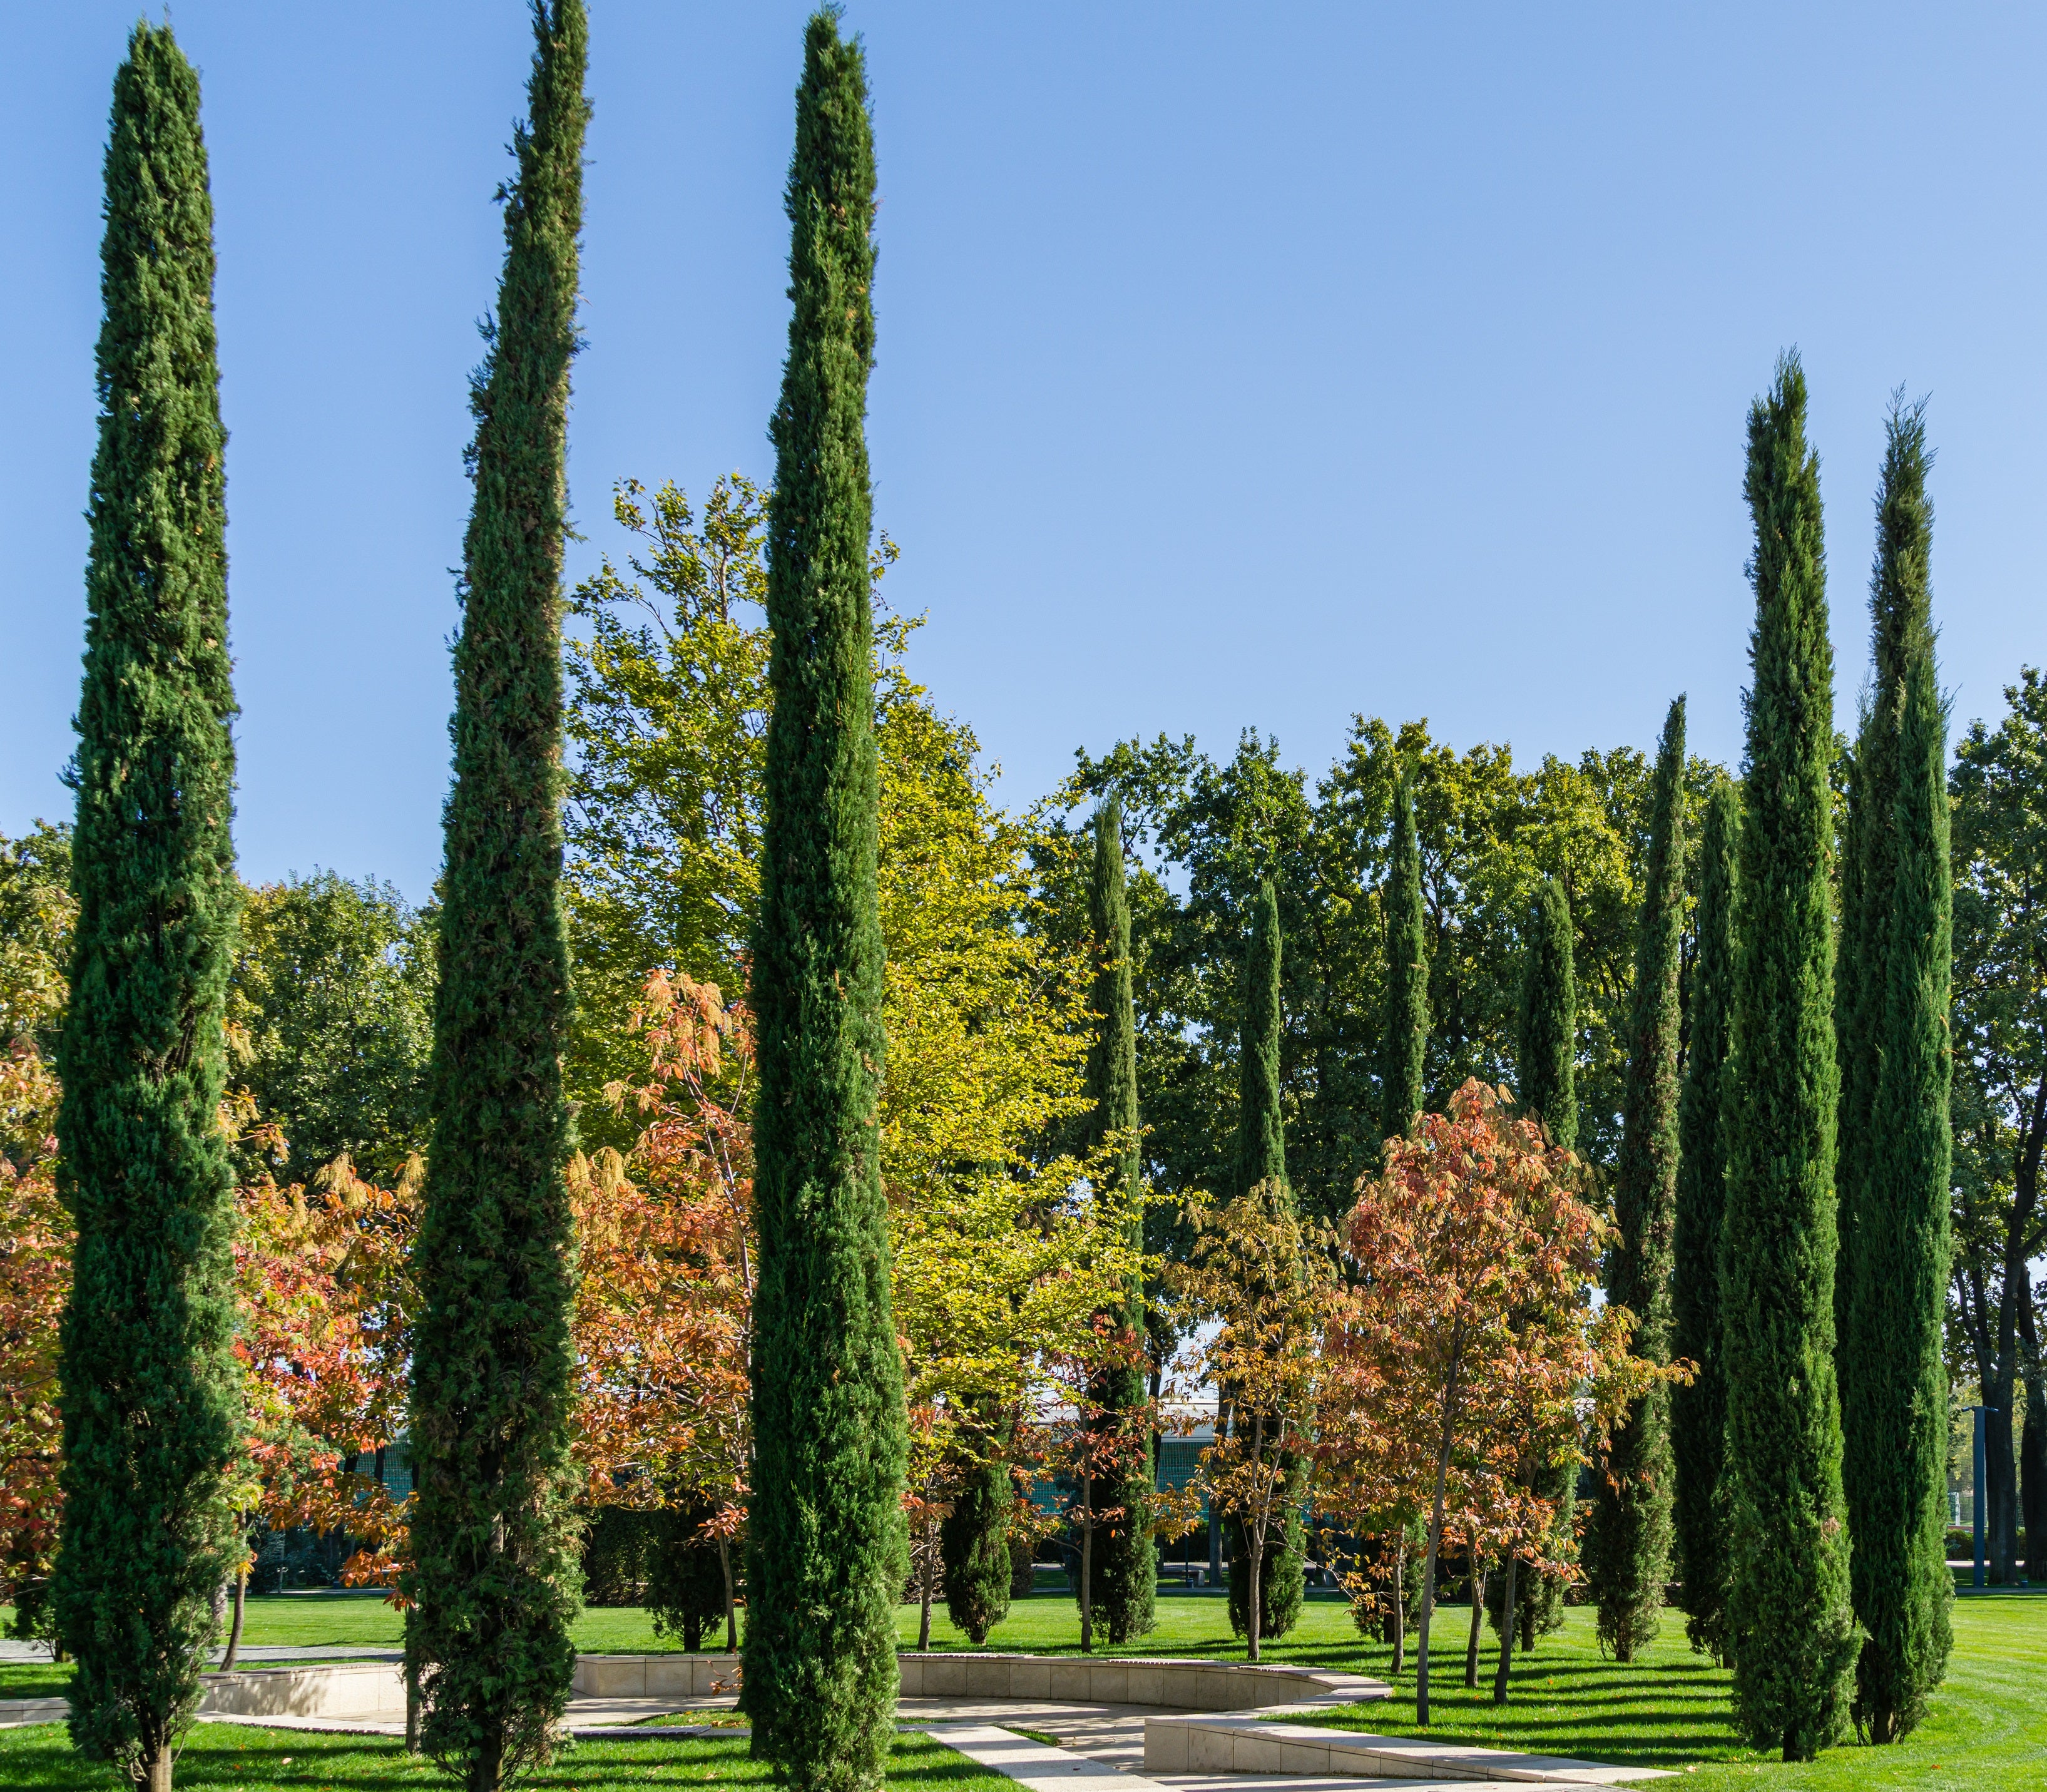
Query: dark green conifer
(1123, 1558)
(1792, 1630)
(149, 1386)
(1895, 1390)
(1546, 1060)
(1698, 1409)
(493, 1533)
(973, 1542)
(828, 1554)
(1261, 1157)
(1404, 1036)
(1627, 1541)
(1899, 603)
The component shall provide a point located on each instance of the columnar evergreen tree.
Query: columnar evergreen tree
(150, 1388)
(1899, 606)
(1545, 1063)
(1793, 1632)
(828, 1554)
(1261, 1157)
(1698, 1409)
(1125, 1561)
(1627, 1541)
(1404, 1033)
(1895, 1390)
(1547, 1060)
(493, 1533)
(973, 1542)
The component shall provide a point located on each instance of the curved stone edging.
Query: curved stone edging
(1174, 1683)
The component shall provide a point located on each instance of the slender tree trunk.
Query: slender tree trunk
(1255, 1542)
(1399, 1603)
(924, 1589)
(156, 1769)
(1507, 1633)
(1435, 1535)
(731, 1604)
(1087, 1566)
(1477, 1612)
(235, 1629)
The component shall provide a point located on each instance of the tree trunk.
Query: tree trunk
(235, 1630)
(157, 1771)
(1255, 1543)
(731, 1604)
(1087, 1565)
(924, 1592)
(1477, 1612)
(412, 1708)
(1399, 1618)
(2033, 1451)
(1506, 1630)
(1436, 1531)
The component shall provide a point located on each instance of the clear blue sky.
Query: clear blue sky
(1238, 366)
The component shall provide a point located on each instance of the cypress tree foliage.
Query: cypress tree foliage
(1547, 1060)
(1899, 608)
(494, 1536)
(1895, 1397)
(150, 1389)
(1698, 1409)
(828, 1552)
(1261, 1157)
(1627, 1541)
(1404, 1036)
(1792, 1630)
(973, 1542)
(1123, 1561)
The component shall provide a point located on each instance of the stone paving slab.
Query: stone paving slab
(1241, 1743)
(1035, 1764)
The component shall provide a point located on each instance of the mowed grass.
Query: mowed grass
(249, 1760)
(1987, 1728)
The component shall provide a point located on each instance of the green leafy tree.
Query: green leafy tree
(1999, 790)
(37, 911)
(829, 1425)
(1628, 1540)
(1547, 1045)
(1261, 1175)
(1789, 1616)
(1124, 1561)
(1698, 1409)
(334, 995)
(667, 723)
(493, 1569)
(1404, 1036)
(150, 1390)
(1897, 1426)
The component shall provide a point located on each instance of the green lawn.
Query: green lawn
(1987, 1729)
(221, 1755)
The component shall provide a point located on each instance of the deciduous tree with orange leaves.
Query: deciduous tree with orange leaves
(1471, 1347)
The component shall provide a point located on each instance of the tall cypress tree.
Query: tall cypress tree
(1545, 1063)
(1545, 1058)
(1895, 1390)
(1898, 602)
(1627, 1543)
(1125, 1565)
(495, 1560)
(1698, 1409)
(828, 1552)
(1788, 1611)
(1404, 1033)
(149, 1386)
(1261, 1158)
